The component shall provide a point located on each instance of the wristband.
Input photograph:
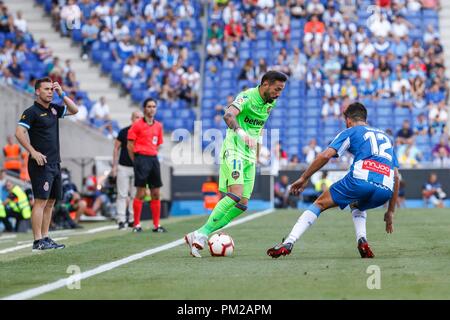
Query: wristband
(63, 94)
(241, 133)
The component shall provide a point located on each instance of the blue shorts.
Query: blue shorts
(362, 194)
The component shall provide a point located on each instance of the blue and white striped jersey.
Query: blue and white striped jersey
(373, 151)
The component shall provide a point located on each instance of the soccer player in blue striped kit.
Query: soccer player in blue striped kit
(371, 181)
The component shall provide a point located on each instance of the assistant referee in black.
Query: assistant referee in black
(41, 122)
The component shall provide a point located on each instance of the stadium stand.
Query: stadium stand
(148, 48)
(390, 57)
(398, 67)
(23, 59)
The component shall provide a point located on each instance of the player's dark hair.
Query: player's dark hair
(272, 76)
(147, 101)
(356, 111)
(38, 82)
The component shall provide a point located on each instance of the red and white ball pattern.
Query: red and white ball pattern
(221, 245)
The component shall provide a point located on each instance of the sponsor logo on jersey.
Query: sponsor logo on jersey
(43, 114)
(377, 167)
(255, 122)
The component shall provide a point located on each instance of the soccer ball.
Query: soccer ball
(221, 245)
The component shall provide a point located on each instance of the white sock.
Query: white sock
(303, 223)
(359, 220)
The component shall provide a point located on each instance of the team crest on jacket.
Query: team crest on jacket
(46, 186)
(54, 111)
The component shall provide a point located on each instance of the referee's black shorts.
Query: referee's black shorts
(147, 171)
(45, 180)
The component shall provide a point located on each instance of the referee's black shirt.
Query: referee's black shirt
(43, 129)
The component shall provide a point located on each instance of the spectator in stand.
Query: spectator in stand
(70, 83)
(100, 111)
(331, 107)
(314, 30)
(332, 67)
(314, 78)
(233, 31)
(16, 71)
(315, 7)
(261, 68)
(6, 21)
(102, 8)
(366, 48)
(349, 69)
(43, 52)
(332, 88)
(281, 29)
(297, 9)
(265, 20)
(409, 155)
(366, 69)
(381, 46)
(379, 25)
(441, 153)
(430, 35)
(404, 99)
(230, 54)
(349, 90)
(398, 47)
(248, 71)
(20, 23)
(432, 192)
(416, 50)
(438, 117)
(90, 34)
(132, 73)
(434, 94)
(384, 86)
(417, 68)
(366, 89)
(418, 93)
(70, 17)
(231, 13)
(215, 32)
(405, 135)
(83, 115)
(400, 27)
(297, 68)
(311, 151)
(422, 128)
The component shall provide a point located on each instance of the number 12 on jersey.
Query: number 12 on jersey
(379, 149)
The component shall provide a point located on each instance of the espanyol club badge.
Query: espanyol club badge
(54, 111)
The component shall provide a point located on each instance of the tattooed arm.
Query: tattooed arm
(230, 119)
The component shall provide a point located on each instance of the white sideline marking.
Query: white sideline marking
(23, 246)
(100, 229)
(31, 293)
(8, 236)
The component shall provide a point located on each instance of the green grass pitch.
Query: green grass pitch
(325, 264)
